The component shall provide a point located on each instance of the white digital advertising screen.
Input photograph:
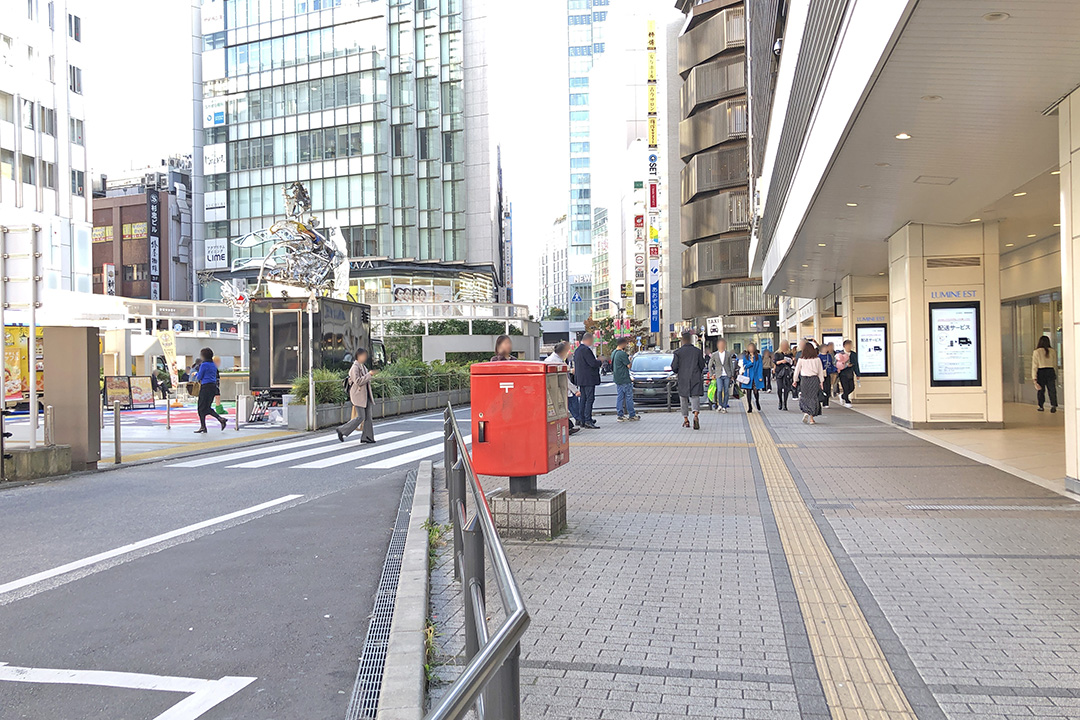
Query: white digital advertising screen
(872, 345)
(836, 340)
(954, 345)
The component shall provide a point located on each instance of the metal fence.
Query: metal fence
(491, 680)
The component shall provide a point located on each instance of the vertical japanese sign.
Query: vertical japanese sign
(652, 232)
(110, 278)
(153, 216)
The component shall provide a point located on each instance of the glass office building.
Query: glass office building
(365, 103)
(586, 20)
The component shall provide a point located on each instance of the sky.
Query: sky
(139, 95)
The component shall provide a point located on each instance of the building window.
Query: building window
(74, 27)
(78, 183)
(579, 99)
(48, 175)
(214, 41)
(7, 107)
(217, 182)
(75, 79)
(28, 169)
(52, 16)
(28, 114)
(47, 117)
(217, 229)
(139, 271)
(215, 135)
(7, 165)
(76, 128)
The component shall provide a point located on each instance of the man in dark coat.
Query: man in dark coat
(688, 364)
(587, 377)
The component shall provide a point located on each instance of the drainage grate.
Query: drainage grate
(993, 507)
(365, 696)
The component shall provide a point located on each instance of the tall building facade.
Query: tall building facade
(713, 142)
(44, 174)
(586, 21)
(380, 110)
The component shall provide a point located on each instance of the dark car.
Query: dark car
(649, 373)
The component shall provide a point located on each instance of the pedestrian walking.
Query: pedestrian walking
(828, 363)
(207, 376)
(783, 369)
(689, 364)
(358, 386)
(809, 376)
(624, 388)
(587, 377)
(1044, 373)
(573, 404)
(218, 407)
(722, 369)
(504, 349)
(847, 365)
(751, 378)
(767, 370)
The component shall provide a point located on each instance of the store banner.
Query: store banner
(109, 270)
(153, 214)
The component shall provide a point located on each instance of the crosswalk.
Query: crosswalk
(394, 448)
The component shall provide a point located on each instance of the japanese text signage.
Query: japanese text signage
(954, 344)
(153, 215)
(871, 343)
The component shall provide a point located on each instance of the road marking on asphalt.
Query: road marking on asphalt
(261, 450)
(854, 671)
(415, 455)
(202, 694)
(135, 546)
(369, 451)
(321, 449)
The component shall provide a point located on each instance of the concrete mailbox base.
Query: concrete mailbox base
(41, 462)
(529, 517)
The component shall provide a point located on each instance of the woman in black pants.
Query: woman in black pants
(208, 376)
(1044, 373)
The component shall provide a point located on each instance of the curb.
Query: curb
(404, 683)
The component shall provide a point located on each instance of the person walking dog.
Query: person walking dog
(207, 376)
(361, 397)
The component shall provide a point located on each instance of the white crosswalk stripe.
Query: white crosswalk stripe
(414, 456)
(369, 451)
(318, 450)
(261, 450)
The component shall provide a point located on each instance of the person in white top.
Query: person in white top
(1044, 373)
(809, 378)
(722, 369)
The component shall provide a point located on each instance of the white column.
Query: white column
(1069, 162)
(932, 264)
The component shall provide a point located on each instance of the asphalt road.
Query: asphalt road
(231, 585)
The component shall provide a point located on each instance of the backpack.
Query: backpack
(346, 384)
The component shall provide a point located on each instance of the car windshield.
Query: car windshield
(651, 363)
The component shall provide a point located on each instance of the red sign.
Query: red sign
(652, 195)
(654, 250)
(639, 221)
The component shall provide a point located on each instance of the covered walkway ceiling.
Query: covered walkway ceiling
(970, 87)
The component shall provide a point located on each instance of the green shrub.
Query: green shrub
(488, 327)
(328, 388)
(404, 349)
(515, 330)
(385, 387)
(449, 327)
(467, 358)
(404, 327)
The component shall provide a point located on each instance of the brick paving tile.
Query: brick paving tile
(670, 593)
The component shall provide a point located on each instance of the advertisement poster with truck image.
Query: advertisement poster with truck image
(954, 344)
(871, 344)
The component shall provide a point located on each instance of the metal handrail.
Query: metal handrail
(491, 680)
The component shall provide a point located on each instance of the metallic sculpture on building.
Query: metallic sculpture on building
(300, 256)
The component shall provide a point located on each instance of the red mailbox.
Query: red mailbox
(520, 425)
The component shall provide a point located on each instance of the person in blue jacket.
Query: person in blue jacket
(752, 379)
(207, 374)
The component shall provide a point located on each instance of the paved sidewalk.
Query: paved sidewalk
(144, 435)
(762, 568)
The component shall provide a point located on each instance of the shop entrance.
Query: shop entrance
(1023, 322)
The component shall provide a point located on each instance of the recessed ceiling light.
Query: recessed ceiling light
(903, 136)
(883, 164)
(1055, 172)
(1057, 224)
(996, 16)
(1009, 244)
(931, 98)
(1019, 194)
(806, 266)
(881, 273)
(1032, 235)
(976, 219)
(853, 204)
(864, 187)
(821, 244)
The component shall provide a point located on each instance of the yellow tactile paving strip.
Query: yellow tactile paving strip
(856, 677)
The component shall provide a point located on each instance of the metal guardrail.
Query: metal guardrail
(491, 680)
